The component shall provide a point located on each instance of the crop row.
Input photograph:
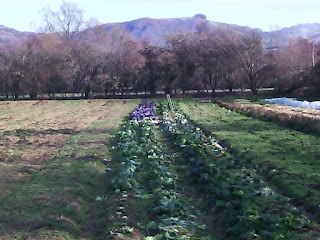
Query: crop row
(144, 110)
(144, 179)
(146, 201)
(304, 120)
(250, 209)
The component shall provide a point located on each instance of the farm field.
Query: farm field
(172, 181)
(287, 158)
(52, 160)
(304, 119)
(84, 170)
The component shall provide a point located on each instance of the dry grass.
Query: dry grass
(52, 160)
(307, 120)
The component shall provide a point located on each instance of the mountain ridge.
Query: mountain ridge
(153, 30)
(10, 37)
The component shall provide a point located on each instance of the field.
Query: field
(304, 119)
(52, 160)
(264, 142)
(81, 170)
(287, 158)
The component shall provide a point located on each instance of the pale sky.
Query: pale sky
(23, 15)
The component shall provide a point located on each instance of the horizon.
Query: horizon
(265, 15)
(273, 27)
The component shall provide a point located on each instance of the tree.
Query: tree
(15, 75)
(67, 21)
(182, 48)
(151, 68)
(315, 81)
(215, 57)
(4, 71)
(55, 65)
(32, 67)
(85, 67)
(293, 61)
(207, 53)
(253, 60)
(40, 61)
(119, 57)
(168, 69)
(129, 64)
(229, 62)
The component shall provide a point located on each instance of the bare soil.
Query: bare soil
(41, 129)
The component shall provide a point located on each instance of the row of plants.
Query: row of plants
(300, 119)
(144, 201)
(250, 209)
(144, 110)
(286, 158)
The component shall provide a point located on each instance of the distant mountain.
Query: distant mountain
(154, 30)
(10, 37)
(283, 36)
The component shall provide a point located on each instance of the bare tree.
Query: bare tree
(293, 61)
(182, 47)
(85, 67)
(151, 69)
(55, 63)
(15, 76)
(30, 63)
(229, 61)
(207, 54)
(66, 21)
(4, 71)
(129, 63)
(168, 70)
(253, 61)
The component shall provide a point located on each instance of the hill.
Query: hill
(154, 30)
(10, 37)
(284, 35)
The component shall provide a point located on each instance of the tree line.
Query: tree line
(72, 57)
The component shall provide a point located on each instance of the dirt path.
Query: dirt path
(199, 204)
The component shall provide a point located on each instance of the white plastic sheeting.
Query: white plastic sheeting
(294, 103)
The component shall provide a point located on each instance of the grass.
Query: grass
(52, 161)
(302, 119)
(53, 156)
(287, 158)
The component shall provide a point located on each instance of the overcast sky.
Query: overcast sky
(268, 15)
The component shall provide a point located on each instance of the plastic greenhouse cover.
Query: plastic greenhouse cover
(294, 103)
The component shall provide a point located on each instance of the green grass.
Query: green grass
(54, 198)
(289, 159)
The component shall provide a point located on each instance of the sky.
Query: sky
(24, 15)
